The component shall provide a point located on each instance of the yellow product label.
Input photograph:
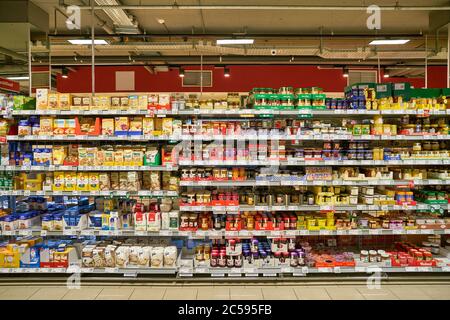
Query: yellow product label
(148, 126)
(58, 181)
(118, 158)
(83, 181)
(59, 154)
(70, 181)
(127, 157)
(94, 181)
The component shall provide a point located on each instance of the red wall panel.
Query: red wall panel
(243, 78)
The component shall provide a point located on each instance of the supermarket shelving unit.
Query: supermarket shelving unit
(184, 272)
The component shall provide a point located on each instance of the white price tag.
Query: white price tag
(87, 232)
(325, 232)
(411, 269)
(112, 270)
(425, 269)
(25, 232)
(360, 269)
(337, 269)
(324, 270)
(412, 231)
(269, 274)
(43, 233)
(87, 270)
(375, 231)
(69, 232)
(355, 232)
(304, 232)
(427, 231)
(446, 269)
(398, 231)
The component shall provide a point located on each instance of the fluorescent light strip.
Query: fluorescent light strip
(388, 41)
(235, 41)
(87, 41)
(18, 78)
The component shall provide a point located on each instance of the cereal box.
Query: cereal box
(70, 126)
(83, 181)
(64, 101)
(59, 154)
(121, 126)
(94, 181)
(107, 127)
(167, 126)
(46, 126)
(59, 126)
(135, 126)
(53, 99)
(133, 102)
(147, 126)
(115, 103)
(41, 99)
(143, 102)
(70, 181)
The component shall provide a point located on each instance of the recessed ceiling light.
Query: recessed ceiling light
(235, 41)
(161, 21)
(181, 73)
(345, 73)
(388, 42)
(19, 78)
(226, 72)
(386, 75)
(87, 41)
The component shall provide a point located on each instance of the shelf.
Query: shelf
(359, 207)
(244, 234)
(70, 270)
(295, 162)
(304, 137)
(109, 193)
(91, 138)
(301, 271)
(312, 137)
(221, 272)
(262, 182)
(89, 168)
(228, 112)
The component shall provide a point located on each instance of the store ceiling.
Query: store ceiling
(327, 36)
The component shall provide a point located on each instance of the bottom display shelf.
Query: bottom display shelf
(230, 272)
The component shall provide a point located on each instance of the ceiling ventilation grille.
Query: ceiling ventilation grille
(192, 78)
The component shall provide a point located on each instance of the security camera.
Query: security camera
(273, 52)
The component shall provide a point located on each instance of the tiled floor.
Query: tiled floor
(226, 292)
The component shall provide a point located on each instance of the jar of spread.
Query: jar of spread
(214, 258)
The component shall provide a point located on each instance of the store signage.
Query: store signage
(9, 85)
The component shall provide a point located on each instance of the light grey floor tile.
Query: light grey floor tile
(437, 292)
(115, 293)
(312, 294)
(84, 293)
(242, 293)
(50, 293)
(409, 293)
(180, 293)
(154, 293)
(278, 293)
(18, 293)
(377, 294)
(344, 293)
(214, 293)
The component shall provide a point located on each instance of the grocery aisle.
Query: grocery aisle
(238, 291)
